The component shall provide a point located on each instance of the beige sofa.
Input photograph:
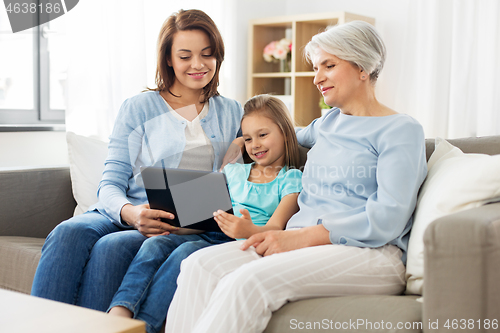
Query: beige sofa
(462, 260)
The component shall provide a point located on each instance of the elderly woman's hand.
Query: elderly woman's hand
(276, 241)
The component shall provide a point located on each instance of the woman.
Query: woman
(182, 123)
(350, 235)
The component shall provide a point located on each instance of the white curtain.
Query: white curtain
(450, 80)
(112, 56)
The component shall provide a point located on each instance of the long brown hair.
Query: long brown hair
(183, 20)
(274, 109)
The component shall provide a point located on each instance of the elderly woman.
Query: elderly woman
(360, 184)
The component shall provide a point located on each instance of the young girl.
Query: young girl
(264, 196)
(256, 189)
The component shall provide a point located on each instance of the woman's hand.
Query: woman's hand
(146, 220)
(235, 227)
(277, 241)
(234, 153)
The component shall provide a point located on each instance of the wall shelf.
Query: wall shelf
(301, 95)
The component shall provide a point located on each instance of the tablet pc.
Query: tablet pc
(192, 196)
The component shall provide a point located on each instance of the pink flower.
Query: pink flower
(280, 52)
(277, 50)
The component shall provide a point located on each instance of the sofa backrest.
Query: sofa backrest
(481, 145)
(489, 145)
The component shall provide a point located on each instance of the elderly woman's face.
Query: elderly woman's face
(337, 80)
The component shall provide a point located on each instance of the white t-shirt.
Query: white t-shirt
(198, 153)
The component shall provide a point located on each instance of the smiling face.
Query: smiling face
(264, 141)
(337, 80)
(192, 60)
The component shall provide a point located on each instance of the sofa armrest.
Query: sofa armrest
(462, 268)
(34, 201)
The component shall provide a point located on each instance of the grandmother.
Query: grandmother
(360, 184)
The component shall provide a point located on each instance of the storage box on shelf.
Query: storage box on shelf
(265, 77)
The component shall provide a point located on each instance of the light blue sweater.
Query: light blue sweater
(361, 178)
(146, 134)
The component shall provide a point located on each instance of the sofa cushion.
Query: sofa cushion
(19, 258)
(86, 158)
(348, 314)
(455, 182)
(34, 200)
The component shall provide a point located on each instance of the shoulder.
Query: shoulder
(401, 125)
(401, 131)
(224, 102)
(292, 173)
(232, 169)
(143, 98)
(291, 176)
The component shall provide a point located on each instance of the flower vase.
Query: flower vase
(284, 65)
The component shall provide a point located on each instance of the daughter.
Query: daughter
(264, 197)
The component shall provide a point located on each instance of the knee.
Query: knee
(185, 250)
(70, 233)
(119, 243)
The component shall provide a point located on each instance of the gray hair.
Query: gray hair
(357, 42)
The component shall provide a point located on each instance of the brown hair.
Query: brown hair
(183, 20)
(274, 109)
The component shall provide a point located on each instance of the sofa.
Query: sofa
(461, 276)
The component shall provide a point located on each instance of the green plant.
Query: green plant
(322, 104)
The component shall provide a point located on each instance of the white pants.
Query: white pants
(224, 289)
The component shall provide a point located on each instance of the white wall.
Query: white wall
(49, 148)
(390, 15)
(23, 149)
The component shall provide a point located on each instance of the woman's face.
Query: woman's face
(264, 141)
(192, 60)
(337, 80)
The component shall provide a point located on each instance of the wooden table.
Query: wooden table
(24, 313)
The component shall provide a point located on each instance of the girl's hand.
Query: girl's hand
(234, 153)
(146, 220)
(235, 227)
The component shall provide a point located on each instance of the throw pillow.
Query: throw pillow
(455, 182)
(86, 159)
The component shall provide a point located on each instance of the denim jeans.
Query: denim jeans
(151, 280)
(84, 260)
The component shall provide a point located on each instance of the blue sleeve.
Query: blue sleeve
(292, 183)
(124, 146)
(307, 136)
(401, 168)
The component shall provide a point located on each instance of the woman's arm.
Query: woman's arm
(270, 242)
(234, 153)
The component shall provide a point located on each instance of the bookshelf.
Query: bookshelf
(296, 87)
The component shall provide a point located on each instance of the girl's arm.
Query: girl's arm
(243, 227)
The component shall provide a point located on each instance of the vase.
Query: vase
(285, 65)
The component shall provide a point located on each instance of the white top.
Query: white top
(198, 153)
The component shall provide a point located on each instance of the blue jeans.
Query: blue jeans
(151, 280)
(84, 260)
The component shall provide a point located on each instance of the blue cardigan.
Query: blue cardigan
(145, 134)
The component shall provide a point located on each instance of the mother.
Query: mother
(360, 183)
(182, 123)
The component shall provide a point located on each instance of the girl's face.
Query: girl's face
(337, 80)
(264, 141)
(192, 60)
